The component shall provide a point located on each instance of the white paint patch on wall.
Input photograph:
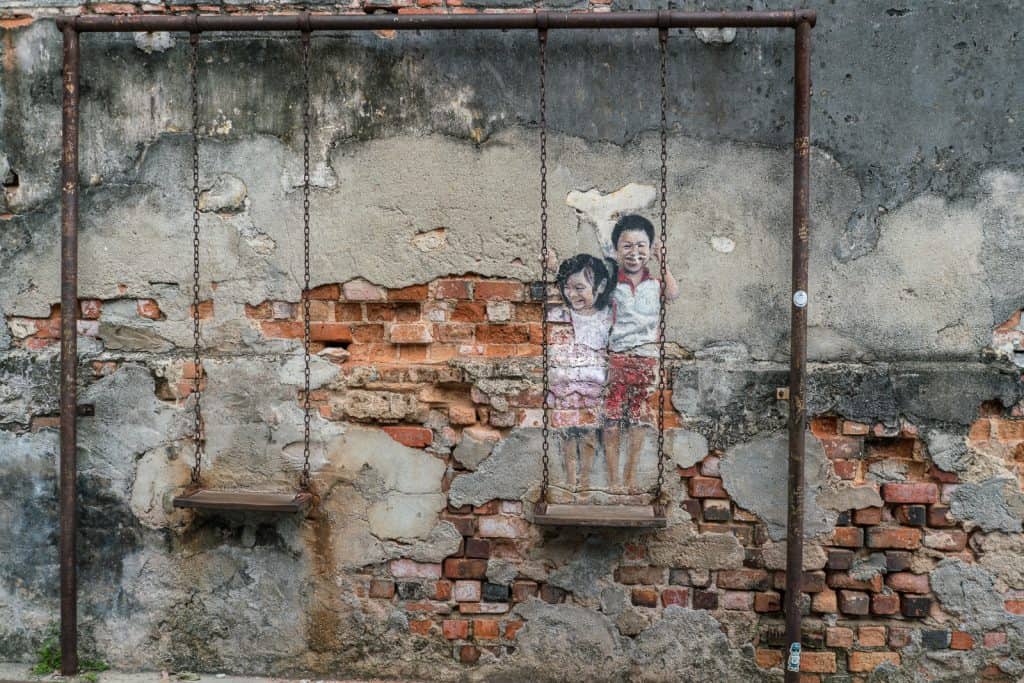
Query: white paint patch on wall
(722, 244)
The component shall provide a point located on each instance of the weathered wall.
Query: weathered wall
(422, 561)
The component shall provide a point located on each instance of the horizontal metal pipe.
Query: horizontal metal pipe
(422, 22)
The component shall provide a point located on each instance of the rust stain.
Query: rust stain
(323, 624)
(10, 60)
(16, 21)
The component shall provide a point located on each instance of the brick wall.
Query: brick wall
(399, 353)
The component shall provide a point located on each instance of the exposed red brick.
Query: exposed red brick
(707, 487)
(512, 628)
(469, 312)
(633, 575)
(961, 640)
(900, 636)
(867, 661)
(1008, 430)
(466, 524)
(148, 308)
(330, 332)
(89, 309)
(854, 602)
(114, 8)
(744, 579)
(348, 312)
(885, 604)
(645, 597)
(325, 293)
(839, 636)
(767, 602)
(440, 590)
(413, 437)
(487, 290)
(1014, 606)
(461, 415)
(910, 493)
(867, 516)
(943, 477)
(846, 469)
(871, 636)
(843, 580)
(675, 596)
(768, 659)
(469, 654)
(826, 425)
(509, 333)
(278, 329)
(995, 639)
(523, 590)
(459, 568)
(532, 313)
(981, 430)
(855, 428)
(946, 540)
(818, 662)
(477, 547)
(501, 526)
(410, 333)
(382, 588)
(455, 629)
(411, 293)
(453, 289)
(894, 537)
(825, 602)
(491, 507)
(486, 629)
(361, 290)
(408, 569)
(838, 447)
(737, 600)
(420, 627)
(379, 312)
(848, 537)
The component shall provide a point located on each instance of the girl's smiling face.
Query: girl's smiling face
(580, 292)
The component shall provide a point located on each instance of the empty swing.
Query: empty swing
(196, 496)
(636, 516)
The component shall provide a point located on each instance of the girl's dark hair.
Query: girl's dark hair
(596, 272)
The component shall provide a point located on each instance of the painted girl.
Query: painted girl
(579, 371)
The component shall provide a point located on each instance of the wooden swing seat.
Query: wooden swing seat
(609, 516)
(245, 501)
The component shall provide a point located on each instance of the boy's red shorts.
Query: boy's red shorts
(630, 382)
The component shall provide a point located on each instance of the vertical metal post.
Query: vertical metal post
(69, 359)
(798, 348)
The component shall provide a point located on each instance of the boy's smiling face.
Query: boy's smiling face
(633, 251)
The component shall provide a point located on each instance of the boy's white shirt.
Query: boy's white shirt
(636, 318)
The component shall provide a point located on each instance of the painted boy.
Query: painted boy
(632, 343)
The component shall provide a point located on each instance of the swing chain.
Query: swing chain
(543, 40)
(197, 374)
(662, 259)
(304, 480)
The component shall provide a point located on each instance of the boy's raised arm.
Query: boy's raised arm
(603, 231)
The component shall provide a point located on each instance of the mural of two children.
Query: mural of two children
(605, 376)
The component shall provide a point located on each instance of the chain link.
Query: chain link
(197, 426)
(662, 259)
(543, 42)
(304, 481)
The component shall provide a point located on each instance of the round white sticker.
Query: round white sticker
(799, 298)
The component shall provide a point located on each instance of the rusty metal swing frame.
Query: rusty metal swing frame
(802, 21)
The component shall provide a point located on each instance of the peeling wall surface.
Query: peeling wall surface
(421, 560)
